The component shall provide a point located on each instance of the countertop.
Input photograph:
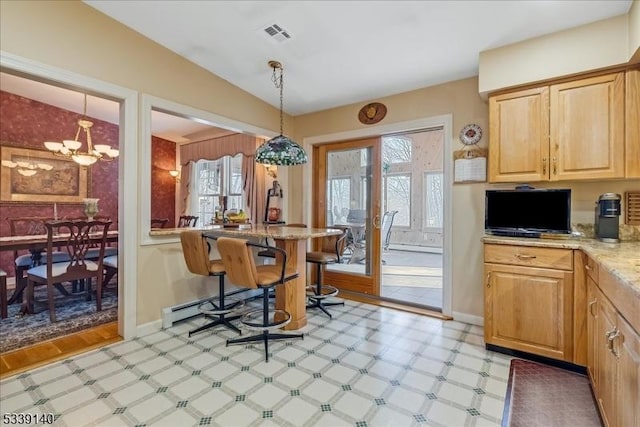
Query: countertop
(247, 230)
(621, 259)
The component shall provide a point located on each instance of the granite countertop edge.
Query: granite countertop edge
(621, 259)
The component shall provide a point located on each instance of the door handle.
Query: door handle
(555, 166)
(523, 256)
(544, 166)
(488, 280)
(376, 222)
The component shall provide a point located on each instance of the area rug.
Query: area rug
(545, 396)
(73, 313)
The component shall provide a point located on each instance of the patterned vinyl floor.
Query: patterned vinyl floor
(368, 366)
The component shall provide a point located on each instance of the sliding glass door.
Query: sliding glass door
(347, 185)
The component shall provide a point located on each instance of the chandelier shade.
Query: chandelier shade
(28, 168)
(71, 148)
(281, 150)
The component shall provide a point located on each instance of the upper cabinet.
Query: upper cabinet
(519, 136)
(632, 124)
(572, 130)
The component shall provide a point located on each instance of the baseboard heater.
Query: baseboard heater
(179, 313)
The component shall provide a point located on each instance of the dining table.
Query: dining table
(291, 296)
(35, 244)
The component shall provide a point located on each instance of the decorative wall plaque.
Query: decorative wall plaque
(372, 113)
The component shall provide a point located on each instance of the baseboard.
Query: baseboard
(468, 318)
(148, 328)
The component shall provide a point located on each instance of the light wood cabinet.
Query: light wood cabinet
(568, 131)
(519, 136)
(529, 300)
(632, 124)
(613, 360)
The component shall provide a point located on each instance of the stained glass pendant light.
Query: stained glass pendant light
(281, 150)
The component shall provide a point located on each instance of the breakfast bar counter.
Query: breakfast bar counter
(291, 296)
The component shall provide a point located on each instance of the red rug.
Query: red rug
(545, 396)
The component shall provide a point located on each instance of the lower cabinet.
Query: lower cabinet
(528, 308)
(613, 361)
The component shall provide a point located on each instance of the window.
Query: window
(397, 197)
(396, 149)
(340, 196)
(216, 178)
(433, 199)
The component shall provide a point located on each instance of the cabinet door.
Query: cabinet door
(628, 397)
(632, 124)
(519, 136)
(606, 367)
(529, 309)
(592, 320)
(587, 128)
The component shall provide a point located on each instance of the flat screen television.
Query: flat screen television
(527, 213)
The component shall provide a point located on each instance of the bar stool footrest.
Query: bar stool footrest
(209, 308)
(325, 291)
(254, 320)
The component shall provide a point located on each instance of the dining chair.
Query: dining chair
(196, 249)
(77, 237)
(159, 222)
(3, 294)
(29, 226)
(110, 264)
(330, 252)
(187, 221)
(238, 261)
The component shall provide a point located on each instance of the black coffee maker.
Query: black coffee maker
(607, 213)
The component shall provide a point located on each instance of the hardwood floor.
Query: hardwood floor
(17, 361)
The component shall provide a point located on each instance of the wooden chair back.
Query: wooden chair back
(159, 222)
(27, 226)
(187, 221)
(195, 248)
(79, 237)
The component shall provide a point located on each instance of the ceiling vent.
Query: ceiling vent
(276, 33)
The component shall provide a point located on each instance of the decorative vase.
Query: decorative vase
(90, 208)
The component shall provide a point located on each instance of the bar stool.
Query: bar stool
(196, 254)
(329, 253)
(240, 266)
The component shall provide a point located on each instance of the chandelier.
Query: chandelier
(71, 148)
(280, 150)
(28, 168)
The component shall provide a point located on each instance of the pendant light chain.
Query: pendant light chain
(278, 81)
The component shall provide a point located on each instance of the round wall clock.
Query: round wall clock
(372, 113)
(470, 134)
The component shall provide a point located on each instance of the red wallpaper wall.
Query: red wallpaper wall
(163, 185)
(28, 123)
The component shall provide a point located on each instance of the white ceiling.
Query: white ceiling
(343, 52)
(340, 52)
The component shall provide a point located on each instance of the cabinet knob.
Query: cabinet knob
(525, 256)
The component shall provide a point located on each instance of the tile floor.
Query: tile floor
(368, 366)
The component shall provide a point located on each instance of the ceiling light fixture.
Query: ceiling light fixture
(280, 150)
(28, 168)
(71, 148)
